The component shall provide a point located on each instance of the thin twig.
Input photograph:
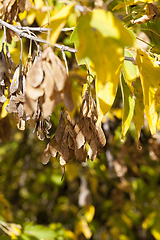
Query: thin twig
(67, 29)
(20, 60)
(131, 59)
(65, 60)
(34, 29)
(4, 37)
(23, 34)
(65, 48)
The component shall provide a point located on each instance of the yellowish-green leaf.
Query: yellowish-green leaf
(130, 71)
(138, 117)
(4, 112)
(156, 233)
(155, 228)
(103, 46)
(82, 227)
(128, 107)
(58, 21)
(89, 211)
(131, 2)
(150, 79)
(149, 221)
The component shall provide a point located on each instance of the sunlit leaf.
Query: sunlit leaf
(130, 72)
(131, 76)
(82, 227)
(38, 231)
(58, 21)
(128, 107)
(148, 222)
(89, 211)
(102, 45)
(149, 74)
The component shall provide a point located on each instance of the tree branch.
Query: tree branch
(23, 34)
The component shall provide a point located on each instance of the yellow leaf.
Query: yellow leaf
(131, 76)
(58, 21)
(22, 15)
(149, 221)
(127, 220)
(103, 46)
(123, 237)
(15, 229)
(41, 18)
(70, 235)
(150, 79)
(156, 233)
(82, 227)
(89, 211)
(131, 2)
(4, 112)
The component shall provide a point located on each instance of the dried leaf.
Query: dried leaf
(81, 154)
(25, 5)
(15, 81)
(92, 153)
(80, 140)
(5, 129)
(45, 156)
(35, 75)
(152, 12)
(12, 106)
(51, 82)
(20, 110)
(53, 147)
(62, 161)
(60, 129)
(40, 129)
(100, 136)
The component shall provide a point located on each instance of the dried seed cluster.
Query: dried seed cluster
(9, 10)
(48, 83)
(70, 141)
(34, 91)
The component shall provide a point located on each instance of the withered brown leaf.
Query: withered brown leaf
(152, 12)
(45, 156)
(25, 5)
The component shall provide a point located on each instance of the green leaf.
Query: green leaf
(38, 231)
(128, 107)
(150, 80)
(103, 46)
(26, 237)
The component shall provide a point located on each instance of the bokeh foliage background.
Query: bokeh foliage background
(115, 197)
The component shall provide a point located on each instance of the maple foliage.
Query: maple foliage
(62, 67)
